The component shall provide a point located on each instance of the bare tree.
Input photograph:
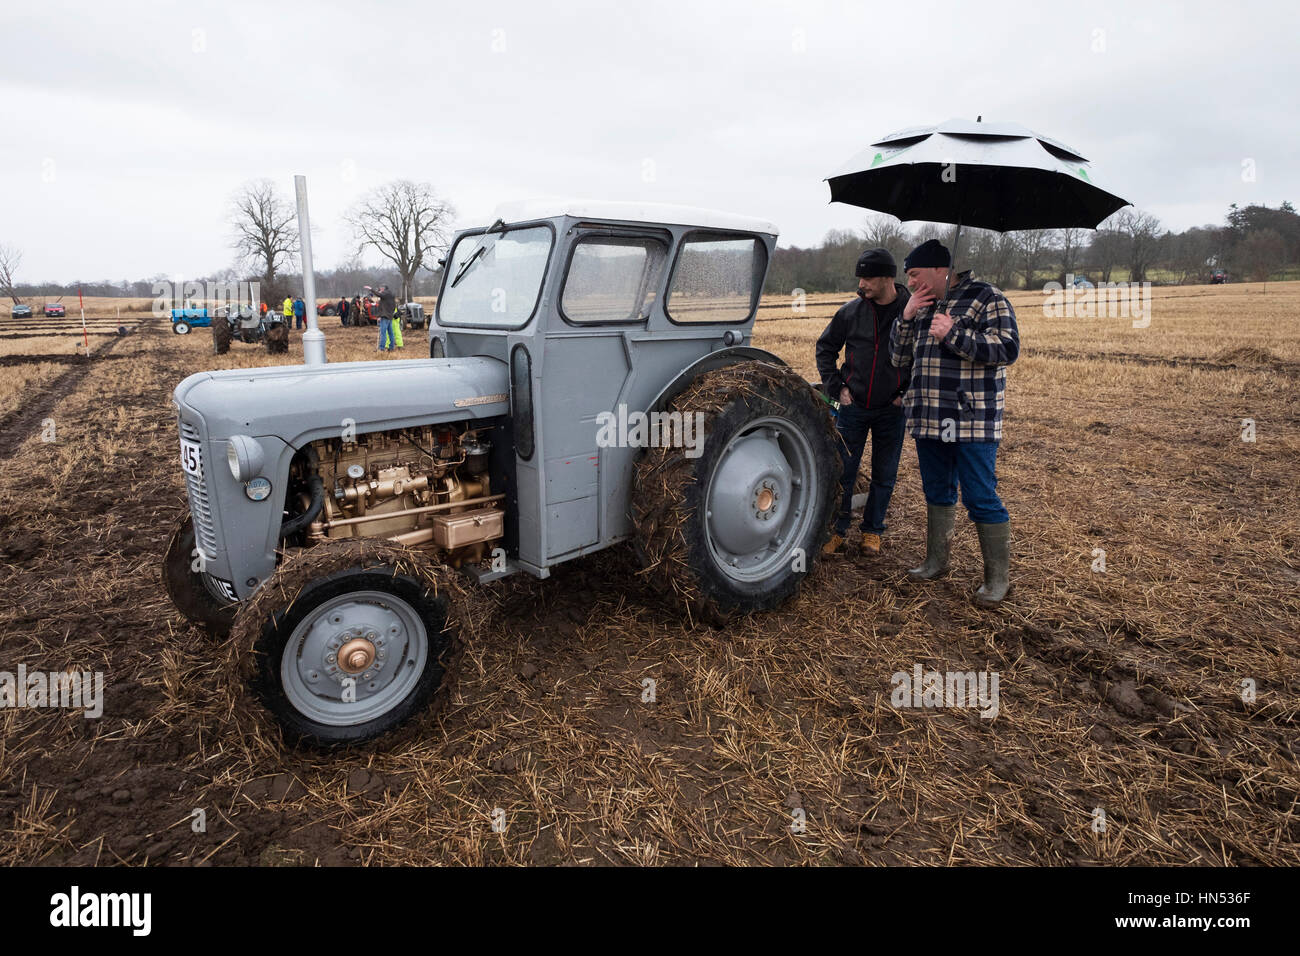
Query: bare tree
(1031, 248)
(1194, 253)
(885, 232)
(991, 256)
(10, 259)
(1142, 232)
(1105, 251)
(265, 233)
(406, 223)
(1262, 253)
(1070, 246)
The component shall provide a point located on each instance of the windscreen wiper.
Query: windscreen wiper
(478, 253)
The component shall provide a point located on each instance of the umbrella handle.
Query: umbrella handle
(952, 267)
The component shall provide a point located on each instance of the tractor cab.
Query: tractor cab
(602, 311)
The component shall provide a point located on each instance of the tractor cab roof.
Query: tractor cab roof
(655, 212)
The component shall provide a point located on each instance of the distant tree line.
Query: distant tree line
(347, 280)
(1255, 243)
(403, 221)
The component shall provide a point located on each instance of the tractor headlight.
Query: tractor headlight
(245, 457)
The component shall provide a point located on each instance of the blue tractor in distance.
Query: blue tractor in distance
(189, 318)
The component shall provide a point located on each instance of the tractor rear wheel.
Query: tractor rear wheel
(277, 339)
(735, 526)
(221, 335)
(348, 639)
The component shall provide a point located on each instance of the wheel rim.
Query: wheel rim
(760, 501)
(181, 328)
(385, 646)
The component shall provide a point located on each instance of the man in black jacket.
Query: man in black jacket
(869, 390)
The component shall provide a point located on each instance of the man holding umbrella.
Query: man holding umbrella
(998, 176)
(958, 359)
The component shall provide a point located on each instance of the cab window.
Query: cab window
(612, 279)
(716, 279)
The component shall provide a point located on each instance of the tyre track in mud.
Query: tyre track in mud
(17, 427)
(56, 358)
(1130, 358)
(1163, 701)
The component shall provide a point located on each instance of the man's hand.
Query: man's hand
(916, 303)
(898, 400)
(940, 324)
(846, 397)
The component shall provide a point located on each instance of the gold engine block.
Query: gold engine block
(423, 487)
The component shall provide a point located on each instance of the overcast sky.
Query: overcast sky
(127, 126)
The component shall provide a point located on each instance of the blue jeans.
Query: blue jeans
(885, 425)
(972, 465)
(386, 333)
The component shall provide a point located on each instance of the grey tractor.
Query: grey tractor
(590, 381)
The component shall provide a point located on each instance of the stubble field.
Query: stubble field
(1121, 690)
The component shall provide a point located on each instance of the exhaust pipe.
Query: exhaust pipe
(313, 340)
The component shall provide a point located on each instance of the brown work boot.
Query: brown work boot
(834, 545)
(870, 543)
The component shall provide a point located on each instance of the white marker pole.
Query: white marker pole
(313, 340)
(84, 334)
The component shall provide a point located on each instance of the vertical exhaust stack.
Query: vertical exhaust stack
(313, 340)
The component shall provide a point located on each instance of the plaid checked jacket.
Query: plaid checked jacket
(958, 382)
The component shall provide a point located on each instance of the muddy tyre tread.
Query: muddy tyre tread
(669, 539)
(184, 586)
(277, 339)
(222, 333)
(265, 623)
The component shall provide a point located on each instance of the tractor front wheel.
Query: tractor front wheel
(221, 335)
(733, 524)
(194, 592)
(346, 641)
(277, 339)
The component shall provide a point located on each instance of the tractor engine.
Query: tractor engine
(426, 487)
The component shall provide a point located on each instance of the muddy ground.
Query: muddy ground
(1122, 735)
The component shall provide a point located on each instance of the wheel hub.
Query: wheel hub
(758, 501)
(356, 655)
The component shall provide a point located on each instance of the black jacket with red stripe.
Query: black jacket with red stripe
(861, 329)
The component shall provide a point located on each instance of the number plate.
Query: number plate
(192, 458)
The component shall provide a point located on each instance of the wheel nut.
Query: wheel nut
(356, 655)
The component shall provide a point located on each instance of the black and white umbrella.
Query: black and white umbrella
(998, 176)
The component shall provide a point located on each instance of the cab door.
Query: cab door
(612, 277)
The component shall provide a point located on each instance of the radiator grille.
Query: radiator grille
(205, 534)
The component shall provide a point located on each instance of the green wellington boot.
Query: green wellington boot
(995, 545)
(938, 541)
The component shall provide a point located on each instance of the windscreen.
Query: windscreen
(494, 280)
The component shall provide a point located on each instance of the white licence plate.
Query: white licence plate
(192, 458)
